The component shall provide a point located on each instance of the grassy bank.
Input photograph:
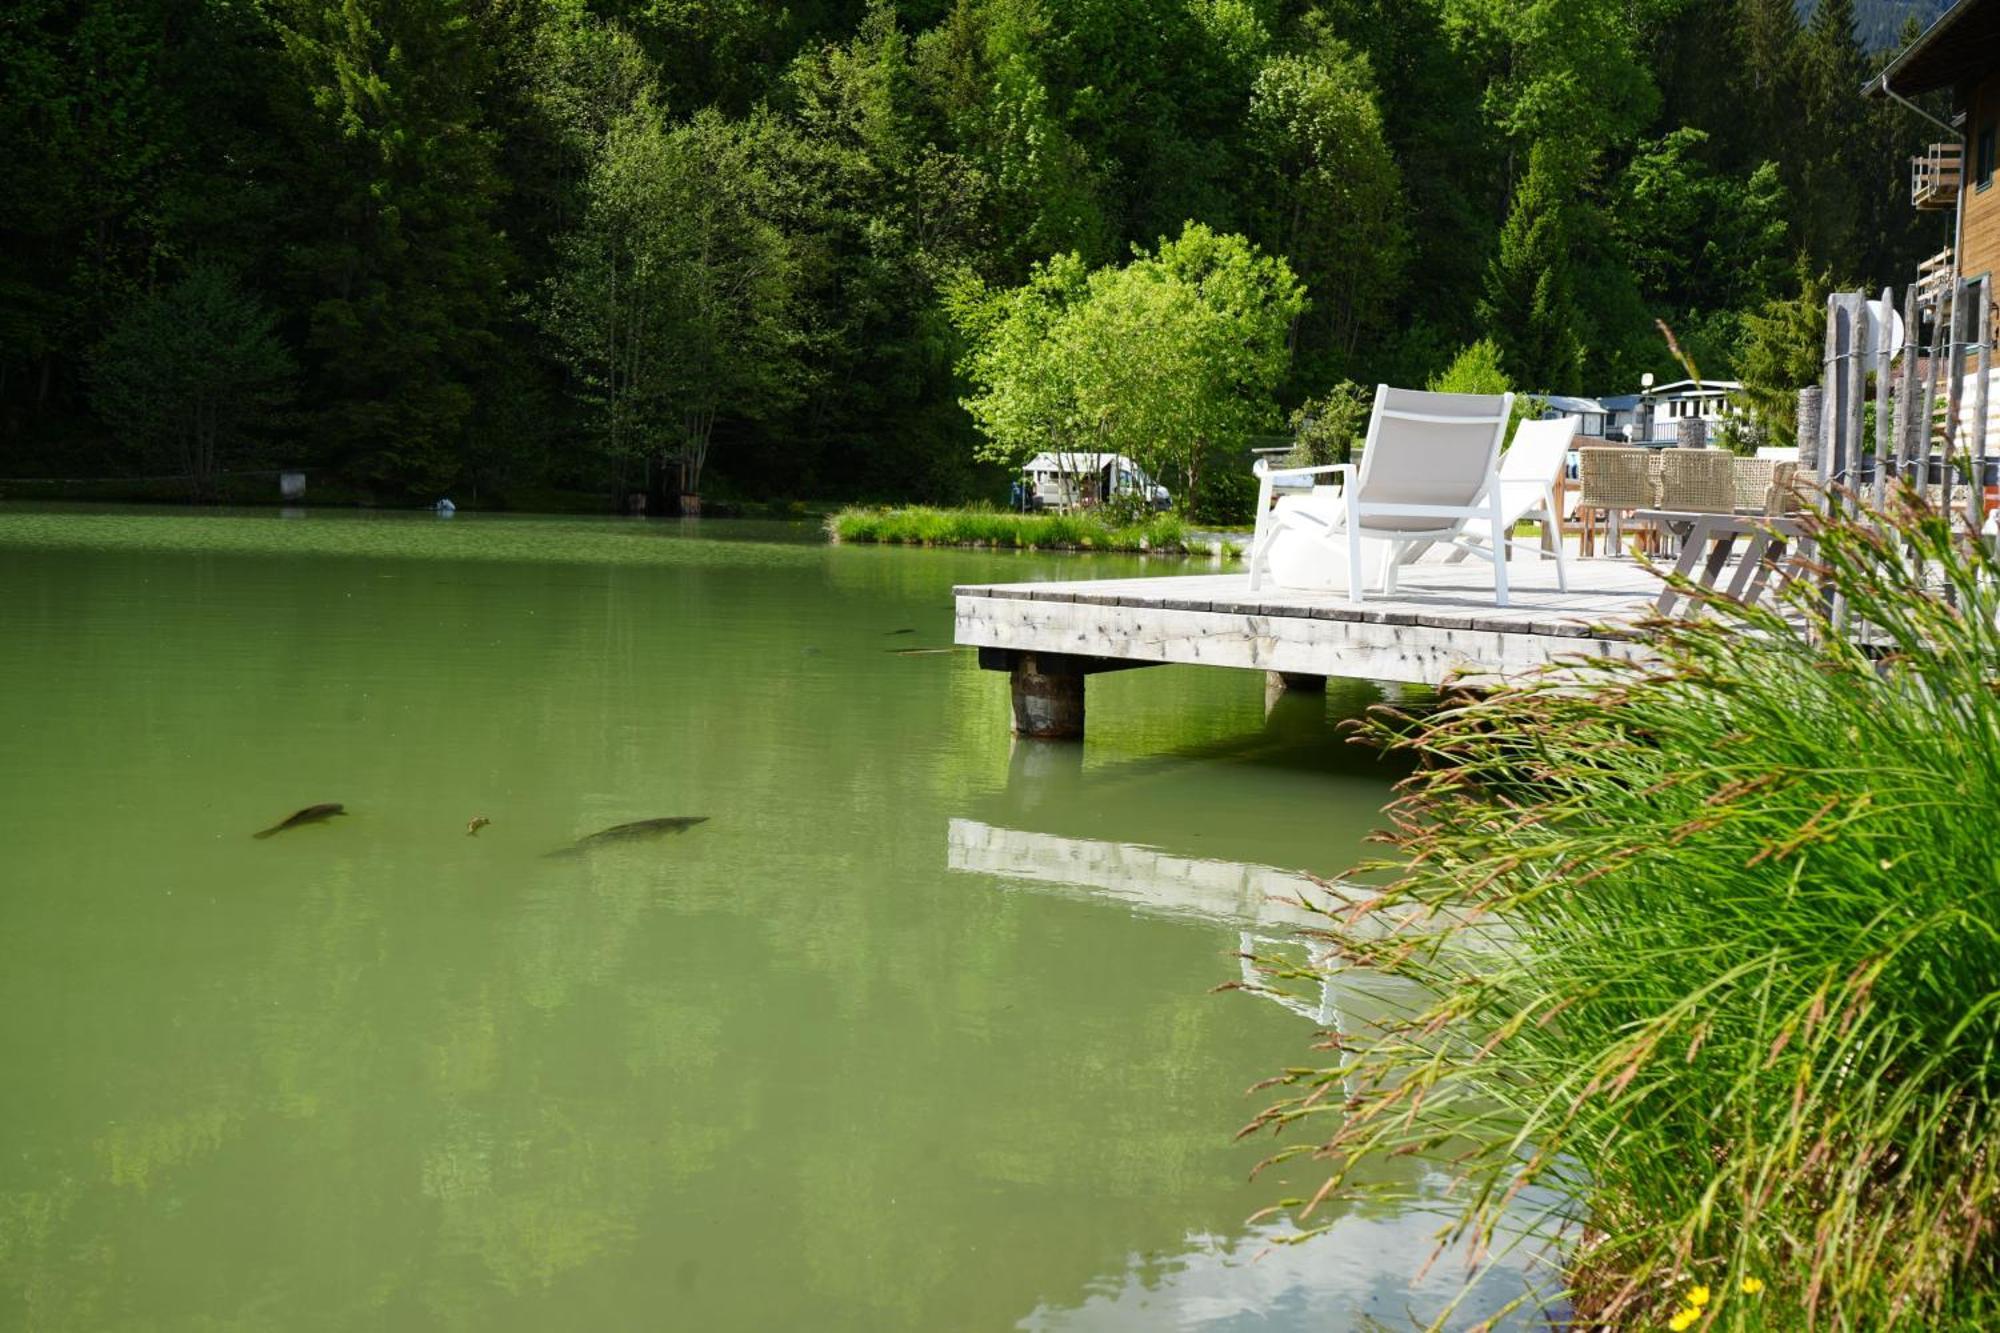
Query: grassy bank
(1713, 949)
(919, 525)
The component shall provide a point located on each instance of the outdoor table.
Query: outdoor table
(1709, 541)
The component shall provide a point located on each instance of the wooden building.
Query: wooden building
(1958, 54)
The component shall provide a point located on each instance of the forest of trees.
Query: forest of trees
(510, 246)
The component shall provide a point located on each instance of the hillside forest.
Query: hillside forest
(515, 249)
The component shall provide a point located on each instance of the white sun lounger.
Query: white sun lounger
(1429, 469)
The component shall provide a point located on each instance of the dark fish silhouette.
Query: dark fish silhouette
(641, 828)
(312, 814)
(899, 631)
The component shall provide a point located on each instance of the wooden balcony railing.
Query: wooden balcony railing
(1934, 278)
(1935, 176)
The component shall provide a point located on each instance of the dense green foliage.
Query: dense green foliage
(1165, 359)
(190, 373)
(1709, 949)
(512, 244)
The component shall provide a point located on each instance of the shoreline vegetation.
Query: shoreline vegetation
(924, 525)
(1709, 949)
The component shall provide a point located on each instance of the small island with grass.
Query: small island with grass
(1083, 530)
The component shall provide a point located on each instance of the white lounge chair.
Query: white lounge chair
(1429, 468)
(1528, 473)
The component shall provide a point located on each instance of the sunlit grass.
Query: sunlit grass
(1714, 942)
(919, 525)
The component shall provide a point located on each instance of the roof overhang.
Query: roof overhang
(1961, 44)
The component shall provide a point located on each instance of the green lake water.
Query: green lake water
(916, 1032)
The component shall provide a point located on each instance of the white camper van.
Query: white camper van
(1067, 481)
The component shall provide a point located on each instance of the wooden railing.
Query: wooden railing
(1935, 176)
(1934, 278)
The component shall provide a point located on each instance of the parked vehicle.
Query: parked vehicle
(1074, 481)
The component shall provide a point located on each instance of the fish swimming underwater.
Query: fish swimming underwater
(642, 828)
(312, 814)
(474, 824)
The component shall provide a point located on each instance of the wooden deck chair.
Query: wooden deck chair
(1528, 473)
(1429, 468)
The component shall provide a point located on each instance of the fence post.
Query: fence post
(1954, 389)
(1906, 402)
(1807, 429)
(1984, 363)
(1833, 385)
(1885, 450)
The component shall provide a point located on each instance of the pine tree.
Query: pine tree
(1529, 307)
(1834, 160)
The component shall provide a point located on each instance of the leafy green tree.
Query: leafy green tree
(1024, 398)
(388, 233)
(673, 300)
(1477, 369)
(1695, 240)
(982, 68)
(1167, 359)
(192, 374)
(878, 214)
(1326, 428)
(91, 137)
(1331, 196)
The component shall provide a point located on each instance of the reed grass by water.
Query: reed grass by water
(1713, 946)
(922, 525)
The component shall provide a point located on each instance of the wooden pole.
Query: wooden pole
(1954, 389)
(1830, 390)
(1928, 404)
(1855, 405)
(1906, 402)
(1807, 427)
(1048, 704)
(1885, 427)
(1983, 361)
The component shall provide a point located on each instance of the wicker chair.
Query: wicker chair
(1611, 479)
(1698, 481)
(1784, 495)
(1753, 484)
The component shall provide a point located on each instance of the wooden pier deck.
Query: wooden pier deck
(1441, 624)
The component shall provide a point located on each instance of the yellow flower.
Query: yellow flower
(1752, 1285)
(1698, 1297)
(1683, 1318)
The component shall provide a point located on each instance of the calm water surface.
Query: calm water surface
(914, 1033)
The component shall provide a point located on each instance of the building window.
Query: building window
(1983, 172)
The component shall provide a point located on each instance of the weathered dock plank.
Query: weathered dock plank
(1441, 624)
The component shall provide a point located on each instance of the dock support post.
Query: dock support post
(1048, 698)
(1277, 684)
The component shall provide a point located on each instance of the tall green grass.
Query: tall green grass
(919, 525)
(1713, 942)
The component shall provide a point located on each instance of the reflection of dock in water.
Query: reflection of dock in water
(1147, 879)
(1266, 906)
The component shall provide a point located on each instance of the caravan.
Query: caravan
(1075, 480)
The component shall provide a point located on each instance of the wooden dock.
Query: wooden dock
(1440, 624)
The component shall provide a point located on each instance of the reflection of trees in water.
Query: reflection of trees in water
(795, 1078)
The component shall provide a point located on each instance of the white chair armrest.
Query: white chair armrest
(1276, 472)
